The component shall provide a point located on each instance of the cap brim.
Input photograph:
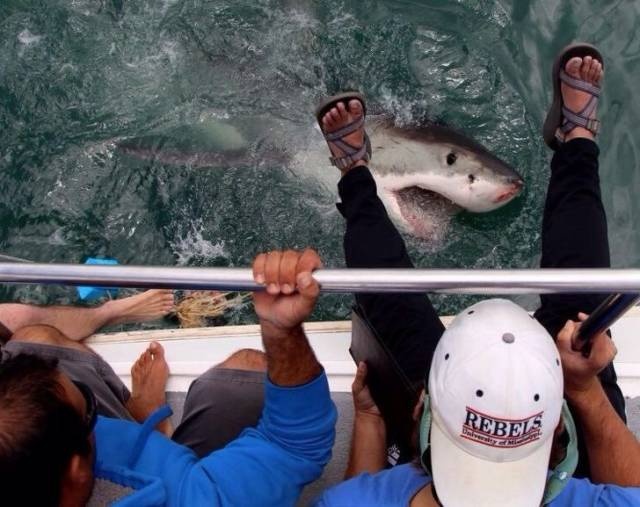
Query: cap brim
(462, 479)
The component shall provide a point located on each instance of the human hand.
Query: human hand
(291, 292)
(581, 373)
(362, 400)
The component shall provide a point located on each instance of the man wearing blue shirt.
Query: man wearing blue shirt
(54, 450)
(494, 429)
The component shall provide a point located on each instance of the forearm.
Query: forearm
(290, 359)
(368, 445)
(614, 452)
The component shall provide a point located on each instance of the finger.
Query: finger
(358, 381)
(308, 288)
(564, 340)
(288, 265)
(258, 268)
(603, 351)
(272, 272)
(309, 261)
(567, 330)
(583, 316)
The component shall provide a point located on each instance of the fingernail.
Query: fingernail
(260, 278)
(287, 289)
(272, 288)
(304, 281)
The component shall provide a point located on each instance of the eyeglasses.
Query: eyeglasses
(91, 415)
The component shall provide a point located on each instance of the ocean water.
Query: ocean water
(79, 78)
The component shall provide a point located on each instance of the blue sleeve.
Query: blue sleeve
(582, 493)
(270, 464)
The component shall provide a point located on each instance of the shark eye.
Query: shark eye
(472, 178)
(451, 158)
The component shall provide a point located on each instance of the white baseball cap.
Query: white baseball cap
(496, 394)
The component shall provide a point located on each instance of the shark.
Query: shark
(424, 175)
(434, 171)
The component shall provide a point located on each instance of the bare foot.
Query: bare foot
(336, 118)
(149, 305)
(149, 376)
(589, 70)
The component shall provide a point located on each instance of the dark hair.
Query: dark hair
(39, 431)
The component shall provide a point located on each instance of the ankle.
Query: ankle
(359, 163)
(579, 133)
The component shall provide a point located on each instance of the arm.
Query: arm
(614, 452)
(368, 441)
(270, 464)
(290, 296)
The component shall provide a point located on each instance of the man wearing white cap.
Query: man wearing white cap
(495, 388)
(494, 428)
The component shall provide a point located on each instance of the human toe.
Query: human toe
(595, 71)
(342, 109)
(355, 107)
(157, 350)
(573, 66)
(586, 67)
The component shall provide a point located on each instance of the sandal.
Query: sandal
(561, 120)
(351, 153)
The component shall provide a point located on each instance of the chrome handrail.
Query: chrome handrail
(453, 281)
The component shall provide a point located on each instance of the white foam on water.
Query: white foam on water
(57, 238)
(28, 39)
(193, 245)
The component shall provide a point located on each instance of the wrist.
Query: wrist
(586, 397)
(368, 418)
(271, 330)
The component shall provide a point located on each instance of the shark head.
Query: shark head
(426, 172)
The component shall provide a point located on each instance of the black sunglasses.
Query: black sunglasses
(91, 416)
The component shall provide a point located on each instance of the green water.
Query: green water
(79, 76)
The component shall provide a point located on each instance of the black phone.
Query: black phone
(390, 387)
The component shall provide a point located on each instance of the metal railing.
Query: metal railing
(452, 281)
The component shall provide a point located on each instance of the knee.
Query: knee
(41, 333)
(246, 359)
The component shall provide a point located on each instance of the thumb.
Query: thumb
(358, 381)
(307, 286)
(565, 336)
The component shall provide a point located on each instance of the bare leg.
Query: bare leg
(79, 323)
(47, 335)
(246, 359)
(149, 376)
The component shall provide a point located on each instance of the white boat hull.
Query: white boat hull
(190, 352)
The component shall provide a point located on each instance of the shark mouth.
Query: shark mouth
(424, 213)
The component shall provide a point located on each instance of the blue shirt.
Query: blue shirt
(267, 465)
(397, 486)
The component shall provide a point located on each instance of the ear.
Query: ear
(417, 410)
(77, 481)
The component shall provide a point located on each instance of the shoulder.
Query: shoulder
(582, 492)
(395, 486)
